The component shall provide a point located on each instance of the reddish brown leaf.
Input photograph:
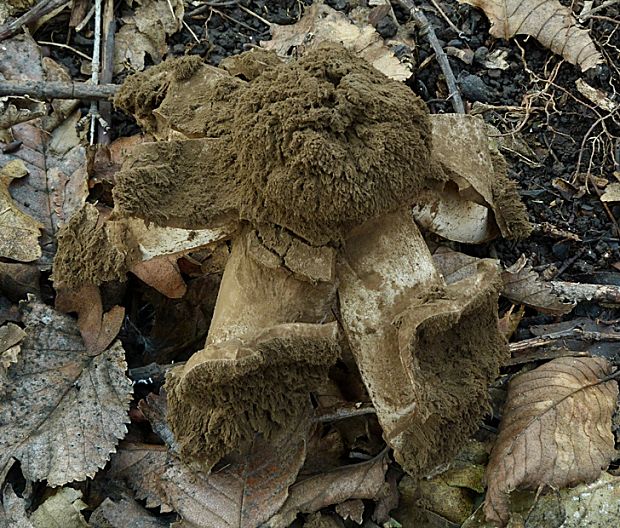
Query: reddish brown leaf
(248, 490)
(556, 430)
(163, 274)
(98, 329)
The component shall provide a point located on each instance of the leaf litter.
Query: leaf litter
(195, 112)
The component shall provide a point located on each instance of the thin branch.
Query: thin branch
(57, 90)
(578, 292)
(96, 66)
(42, 8)
(425, 26)
(596, 9)
(552, 337)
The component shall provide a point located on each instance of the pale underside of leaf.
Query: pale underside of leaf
(62, 510)
(321, 23)
(63, 410)
(547, 21)
(555, 431)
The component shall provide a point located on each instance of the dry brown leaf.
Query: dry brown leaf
(142, 467)
(124, 513)
(358, 481)
(248, 489)
(163, 274)
(98, 329)
(11, 336)
(18, 280)
(321, 23)
(454, 265)
(548, 21)
(154, 408)
(56, 185)
(243, 494)
(351, 509)
(146, 31)
(15, 110)
(523, 285)
(612, 193)
(555, 431)
(19, 233)
(64, 410)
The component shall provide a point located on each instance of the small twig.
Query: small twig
(242, 24)
(445, 17)
(255, 15)
(65, 46)
(107, 68)
(572, 333)
(86, 20)
(42, 8)
(206, 6)
(544, 355)
(549, 229)
(568, 263)
(576, 292)
(425, 26)
(596, 9)
(57, 90)
(96, 65)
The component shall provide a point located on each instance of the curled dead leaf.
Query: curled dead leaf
(555, 431)
(477, 202)
(357, 481)
(523, 285)
(552, 24)
(98, 329)
(145, 32)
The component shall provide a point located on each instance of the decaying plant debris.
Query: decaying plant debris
(289, 248)
(320, 160)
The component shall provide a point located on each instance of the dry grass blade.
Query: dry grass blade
(556, 430)
(548, 21)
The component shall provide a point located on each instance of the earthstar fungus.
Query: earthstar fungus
(319, 161)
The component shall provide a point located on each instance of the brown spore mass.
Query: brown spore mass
(88, 253)
(221, 405)
(456, 357)
(316, 146)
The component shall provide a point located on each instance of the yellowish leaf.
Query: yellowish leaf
(19, 233)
